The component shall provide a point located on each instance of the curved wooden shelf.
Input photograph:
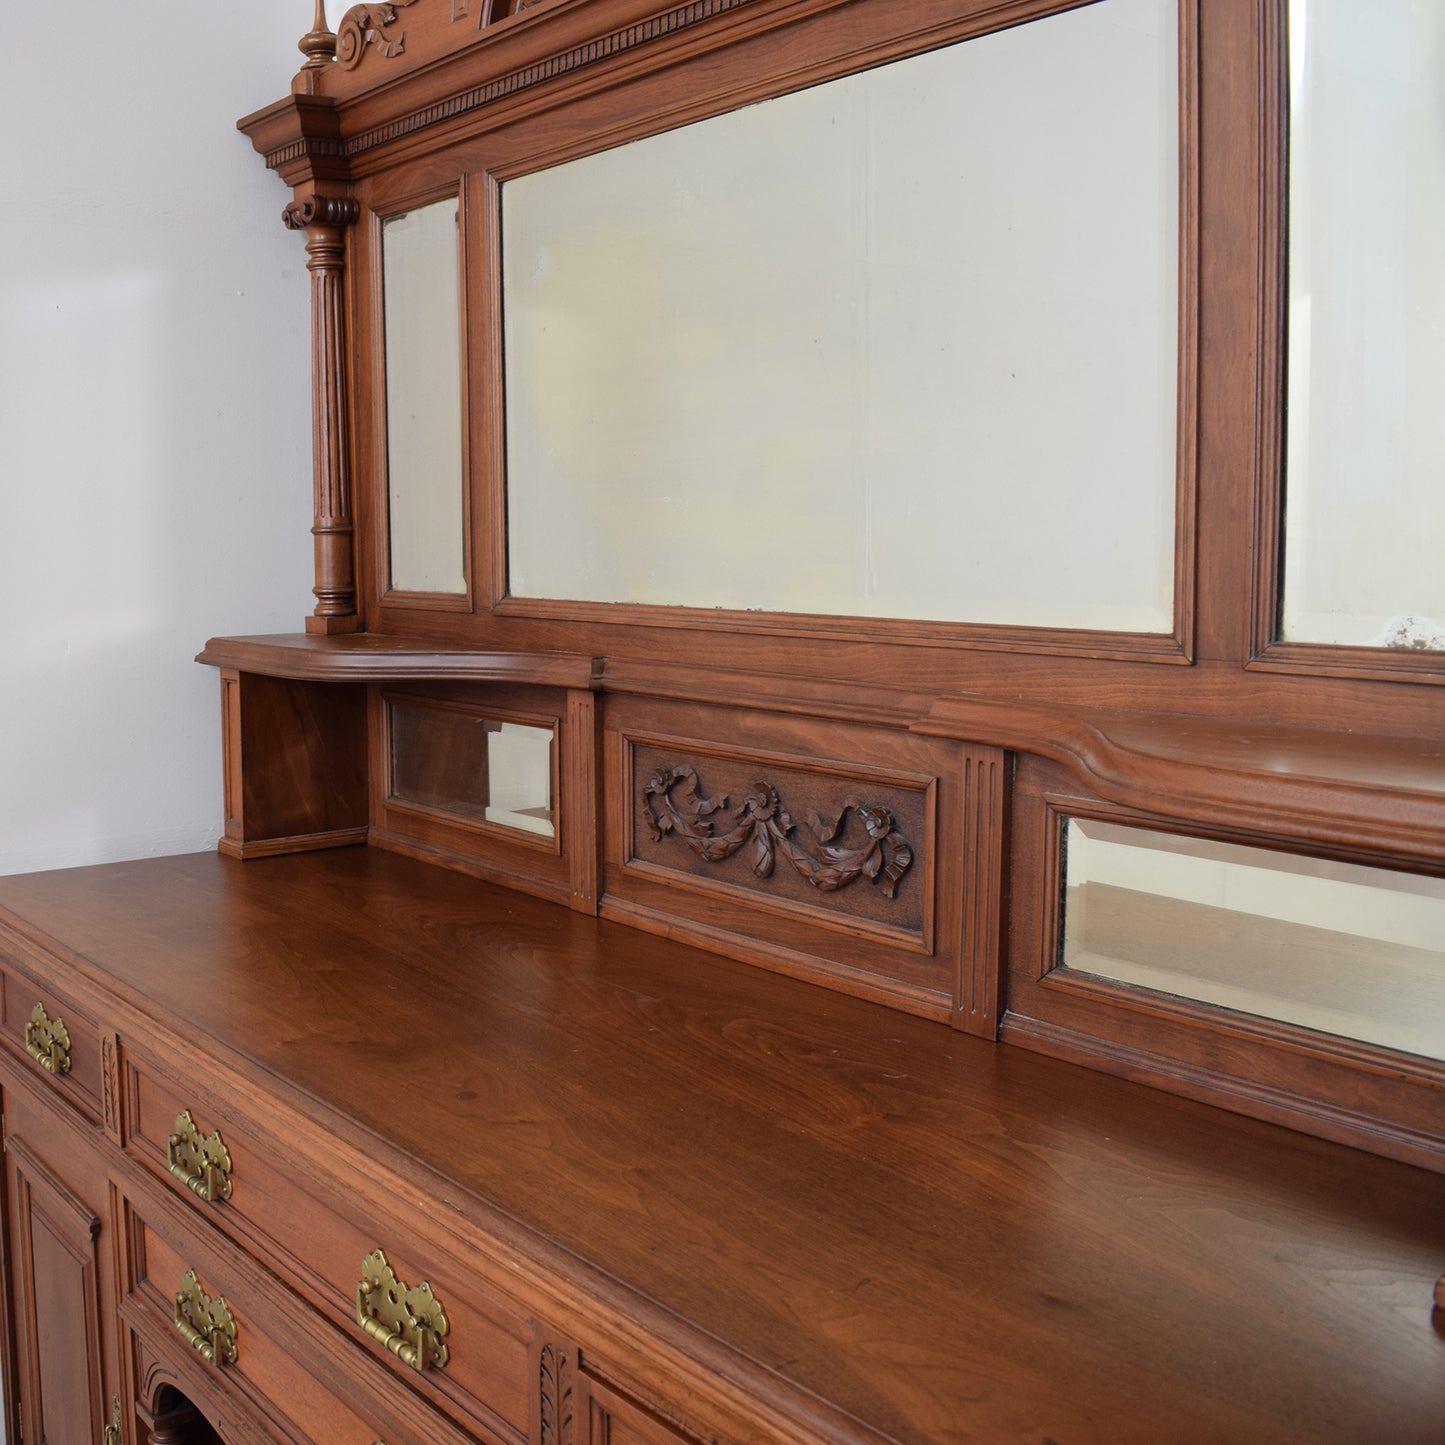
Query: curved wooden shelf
(1314, 786)
(371, 657)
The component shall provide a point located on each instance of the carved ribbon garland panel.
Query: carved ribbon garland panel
(850, 846)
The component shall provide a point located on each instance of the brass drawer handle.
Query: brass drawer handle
(112, 1434)
(47, 1041)
(206, 1324)
(203, 1165)
(409, 1322)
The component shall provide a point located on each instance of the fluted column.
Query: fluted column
(325, 219)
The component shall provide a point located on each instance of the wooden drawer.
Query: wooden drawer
(54, 1039)
(611, 1419)
(300, 1218)
(281, 1367)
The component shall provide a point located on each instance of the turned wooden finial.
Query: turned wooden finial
(318, 45)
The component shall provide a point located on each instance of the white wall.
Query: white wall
(154, 412)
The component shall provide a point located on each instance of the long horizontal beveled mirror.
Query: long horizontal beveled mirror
(1364, 520)
(901, 345)
(1342, 948)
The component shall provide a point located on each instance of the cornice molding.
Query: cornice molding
(514, 82)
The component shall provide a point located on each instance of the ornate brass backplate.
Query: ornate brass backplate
(206, 1324)
(202, 1164)
(47, 1041)
(410, 1322)
(112, 1434)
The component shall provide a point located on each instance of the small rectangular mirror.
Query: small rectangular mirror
(1339, 947)
(458, 762)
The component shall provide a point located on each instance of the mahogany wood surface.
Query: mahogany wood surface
(816, 1196)
(372, 658)
(1344, 788)
(295, 762)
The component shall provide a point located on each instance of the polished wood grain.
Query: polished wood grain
(372, 658)
(295, 765)
(1348, 788)
(826, 1204)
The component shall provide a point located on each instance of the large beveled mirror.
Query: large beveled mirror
(1364, 517)
(901, 345)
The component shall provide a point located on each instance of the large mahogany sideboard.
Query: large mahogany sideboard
(611, 1022)
(659, 1196)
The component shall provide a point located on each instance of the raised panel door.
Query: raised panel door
(58, 1248)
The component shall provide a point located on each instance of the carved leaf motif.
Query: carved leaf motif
(668, 817)
(556, 1391)
(675, 806)
(107, 1078)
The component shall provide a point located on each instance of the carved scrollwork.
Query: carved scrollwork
(370, 25)
(321, 211)
(675, 806)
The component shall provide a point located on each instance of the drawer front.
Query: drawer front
(611, 1419)
(303, 1222)
(244, 1347)
(55, 1040)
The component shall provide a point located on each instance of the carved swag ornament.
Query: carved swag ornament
(675, 805)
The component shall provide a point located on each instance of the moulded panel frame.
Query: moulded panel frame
(925, 851)
(481, 711)
(561, 868)
(1343, 1089)
(932, 970)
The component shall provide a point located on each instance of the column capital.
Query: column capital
(319, 210)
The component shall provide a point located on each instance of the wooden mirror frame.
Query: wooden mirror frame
(1236, 736)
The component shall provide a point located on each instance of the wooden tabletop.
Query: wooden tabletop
(949, 1239)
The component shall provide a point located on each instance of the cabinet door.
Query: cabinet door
(59, 1279)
